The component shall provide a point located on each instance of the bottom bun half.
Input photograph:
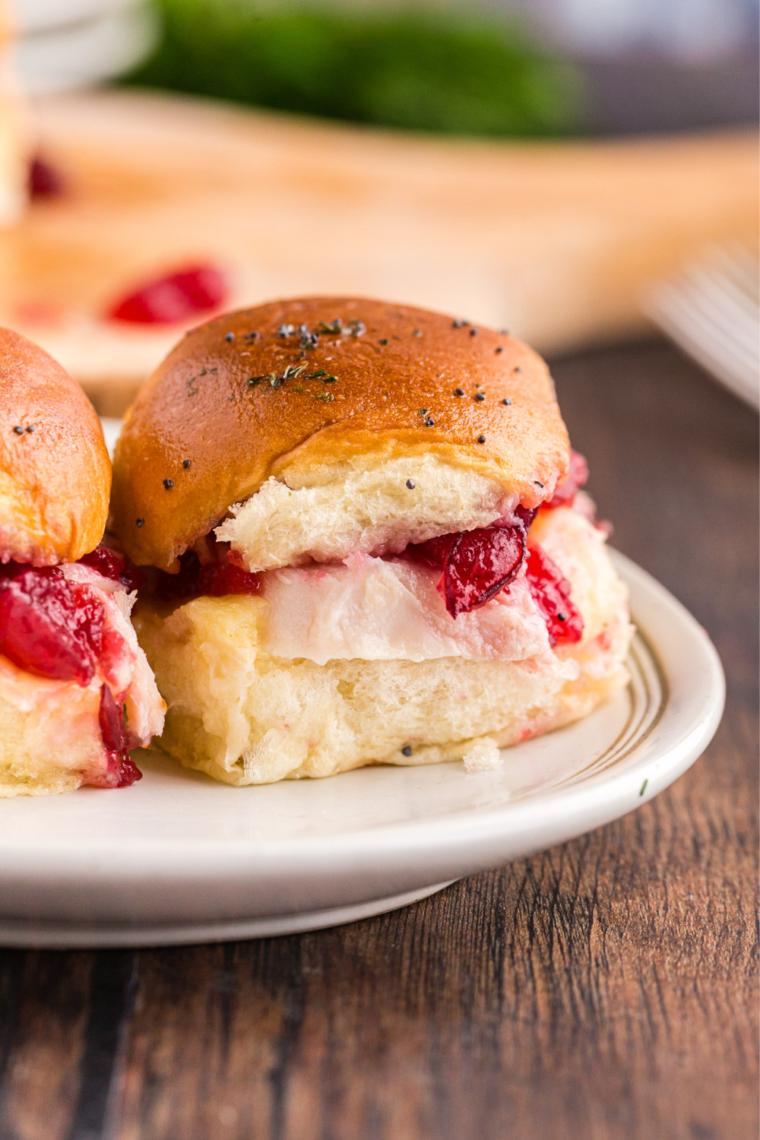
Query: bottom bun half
(245, 715)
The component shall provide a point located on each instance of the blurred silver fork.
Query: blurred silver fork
(713, 312)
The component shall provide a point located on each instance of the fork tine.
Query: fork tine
(718, 350)
(739, 264)
(716, 356)
(725, 306)
(712, 312)
(732, 282)
(705, 321)
(741, 380)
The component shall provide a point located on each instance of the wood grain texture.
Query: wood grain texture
(556, 241)
(603, 990)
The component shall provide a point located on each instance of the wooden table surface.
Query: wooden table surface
(603, 989)
(556, 240)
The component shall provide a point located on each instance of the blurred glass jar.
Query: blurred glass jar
(63, 44)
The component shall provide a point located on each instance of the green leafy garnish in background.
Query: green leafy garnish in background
(466, 73)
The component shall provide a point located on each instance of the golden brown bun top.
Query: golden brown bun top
(55, 474)
(243, 398)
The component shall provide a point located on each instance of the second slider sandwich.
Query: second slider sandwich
(76, 693)
(370, 541)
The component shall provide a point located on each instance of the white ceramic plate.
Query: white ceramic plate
(179, 858)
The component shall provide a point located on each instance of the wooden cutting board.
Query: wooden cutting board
(554, 240)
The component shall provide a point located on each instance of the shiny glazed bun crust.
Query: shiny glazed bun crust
(55, 474)
(254, 394)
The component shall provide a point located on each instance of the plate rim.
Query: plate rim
(238, 859)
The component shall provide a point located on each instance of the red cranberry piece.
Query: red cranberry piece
(220, 578)
(551, 592)
(125, 770)
(46, 628)
(526, 516)
(174, 297)
(105, 561)
(114, 566)
(577, 475)
(175, 587)
(131, 577)
(44, 180)
(121, 771)
(88, 618)
(112, 727)
(480, 564)
(435, 551)
(477, 564)
(213, 579)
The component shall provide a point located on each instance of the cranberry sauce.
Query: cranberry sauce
(551, 593)
(577, 475)
(122, 770)
(175, 297)
(476, 564)
(115, 566)
(54, 628)
(48, 626)
(214, 578)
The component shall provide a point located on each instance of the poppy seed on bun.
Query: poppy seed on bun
(322, 392)
(55, 474)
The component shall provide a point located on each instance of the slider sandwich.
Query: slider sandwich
(370, 544)
(76, 692)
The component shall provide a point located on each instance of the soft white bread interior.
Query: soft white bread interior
(336, 510)
(49, 734)
(246, 716)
